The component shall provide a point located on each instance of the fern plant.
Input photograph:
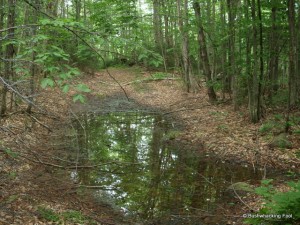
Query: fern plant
(282, 208)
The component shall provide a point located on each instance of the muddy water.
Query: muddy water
(144, 170)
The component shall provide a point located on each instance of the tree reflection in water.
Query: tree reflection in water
(146, 173)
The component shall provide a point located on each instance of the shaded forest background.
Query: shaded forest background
(246, 50)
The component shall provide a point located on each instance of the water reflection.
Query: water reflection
(150, 176)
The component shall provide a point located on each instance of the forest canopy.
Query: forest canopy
(247, 50)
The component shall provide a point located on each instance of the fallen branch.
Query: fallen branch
(149, 80)
(39, 122)
(185, 109)
(239, 197)
(140, 81)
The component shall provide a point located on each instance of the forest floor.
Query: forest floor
(31, 192)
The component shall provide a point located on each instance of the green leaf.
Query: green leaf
(47, 82)
(64, 76)
(66, 88)
(267, 181)
(11, 153)
(45, 21)
(79, 97)
(83, 88)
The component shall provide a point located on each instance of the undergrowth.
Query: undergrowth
(280, 208)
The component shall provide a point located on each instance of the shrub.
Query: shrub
(281, 208)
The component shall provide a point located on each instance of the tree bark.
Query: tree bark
(9, 53)
(261, 60)
(274, 55)
(203, 53)
(252, 72)
(33, 57)
(231, 53)
(182, 23)
(292, 53)
(3, 90)
(158, 33)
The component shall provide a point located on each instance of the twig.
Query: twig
(239, 197)
(24, 98)
(39, 122)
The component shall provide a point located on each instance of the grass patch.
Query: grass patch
(68, 217)
(48, 214)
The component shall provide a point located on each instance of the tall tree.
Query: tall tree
(252, 70)
(231, 4)
(183, 24)
(274, 51)
(261, 61)
(292, 53)
(33, 67)
(203, 52)
(9, 52)
(158, 32)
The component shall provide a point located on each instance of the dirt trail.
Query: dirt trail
(228, 134)
(29, 181)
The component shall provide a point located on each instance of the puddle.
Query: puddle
(144, 171)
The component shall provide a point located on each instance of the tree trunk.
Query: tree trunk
(77, 9)
(9, 53)
(203, 53)
(225, 79)
(182, 23)
(261, 60)
(2, 90)
(274, 55)
(292, 53)
(33, 56)
(252, 76)
(158, 34)
(231, 52)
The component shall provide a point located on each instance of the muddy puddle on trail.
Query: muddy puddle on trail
(143, 170)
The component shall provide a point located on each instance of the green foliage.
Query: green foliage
(283, 205)
(47, 82)
(11, 153)
(216, 84)
(68, 217)
(79, 97)
(276, 125)
(11, 199)
(150, 58)
(48, 214)
(160, 75)
(86, 58)
(266, 127)
(298, 154)
(280, 98)
(83, 88)
(170, 135)
(274, 129)
(241, 186)
(74, 216)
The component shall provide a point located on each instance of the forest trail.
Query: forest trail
(228, 134)
(36, 186)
